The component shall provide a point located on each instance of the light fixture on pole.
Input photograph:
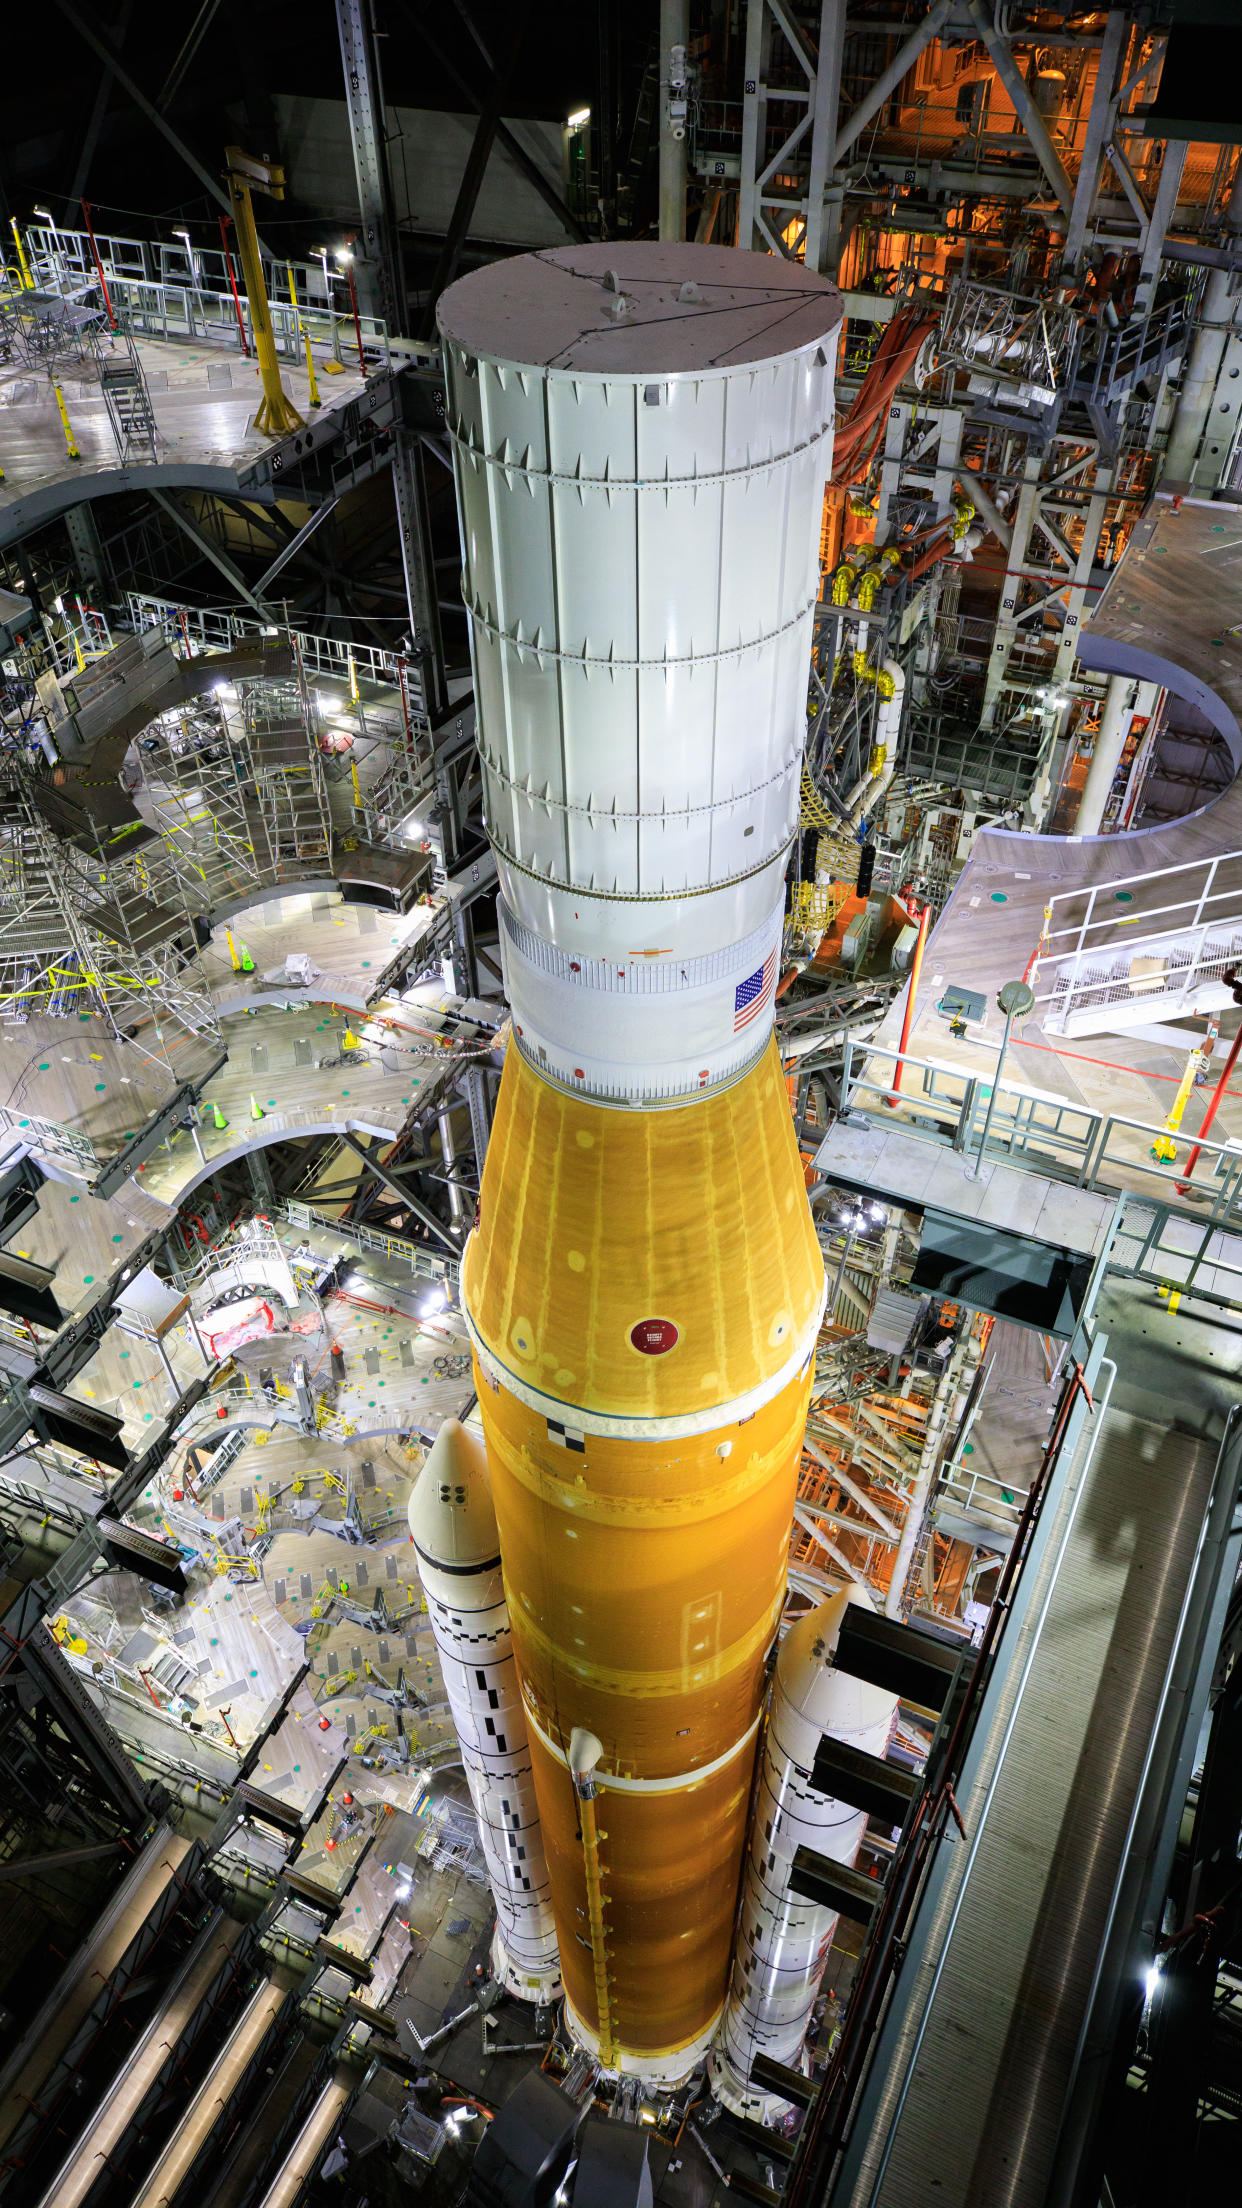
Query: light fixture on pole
(1015, 1000)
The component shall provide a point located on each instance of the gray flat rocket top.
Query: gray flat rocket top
(639, 308)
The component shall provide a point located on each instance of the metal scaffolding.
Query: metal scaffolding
(286, 763)
(82, 931)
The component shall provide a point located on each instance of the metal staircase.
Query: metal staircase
(124, 386)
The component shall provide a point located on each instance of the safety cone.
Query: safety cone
(349, 1040)
(256, 1109)
(217, 1117)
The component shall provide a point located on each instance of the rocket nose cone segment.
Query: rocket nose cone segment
(451, 1515)
(806, 1671)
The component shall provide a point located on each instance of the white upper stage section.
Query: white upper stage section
(642, 435)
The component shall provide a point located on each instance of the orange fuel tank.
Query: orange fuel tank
(644, 1292)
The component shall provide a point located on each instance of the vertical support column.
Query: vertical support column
(378, 267)
(674, 38)
(1007, 623)
(1088, 550)
(1163, 205)
(754, 123)
(1218, 318)
(1106, 758)
(380, 276)
(476, 1089)
(88, 552)
(409, 489)
(1099, 131)
(824, 204)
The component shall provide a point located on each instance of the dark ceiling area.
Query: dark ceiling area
(211, 69)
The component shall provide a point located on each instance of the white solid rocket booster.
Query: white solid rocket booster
(453, 1527)
(783, 1942)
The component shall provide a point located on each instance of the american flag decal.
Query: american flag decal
(751, 995)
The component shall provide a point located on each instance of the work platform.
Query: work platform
(1125, 934)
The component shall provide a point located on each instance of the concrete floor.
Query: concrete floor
(201, 425)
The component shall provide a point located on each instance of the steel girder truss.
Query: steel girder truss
(81, 932)
(792, 87)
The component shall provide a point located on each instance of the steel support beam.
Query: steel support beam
(1024, 106)
(196, 536)
(409, 490)
(885, 85)
(824, 203)
(63, 1860)
(521, 159)
(1162, 211)
(674, 118)
(480, 154)
(174, 1112)
(379, 272)
(103, 98)
(1104, 100)
(294, 546)
(404, 1196)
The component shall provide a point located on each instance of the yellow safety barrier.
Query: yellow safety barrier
(65, 423)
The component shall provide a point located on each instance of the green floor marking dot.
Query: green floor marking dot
(999, 897)
(147, 1416)
(89, 1277)
(125, 1353)
(75, 1199)
(44, 1068)
(116, 1238)
(23, 1123)
(1124, 896)
(137, 1383)
(344, 1092)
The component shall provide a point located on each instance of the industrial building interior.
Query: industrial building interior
(464, 469)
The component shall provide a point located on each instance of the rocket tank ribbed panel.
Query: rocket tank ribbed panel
(641, 438)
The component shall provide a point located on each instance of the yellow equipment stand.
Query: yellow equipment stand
(277, 414)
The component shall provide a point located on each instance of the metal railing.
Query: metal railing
(186, 293)
(196, 631)
(428, 1263)
(1157, 1235)
(1092, 937)
(49, 1136)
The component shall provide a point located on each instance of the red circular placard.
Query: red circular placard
(653, 1336)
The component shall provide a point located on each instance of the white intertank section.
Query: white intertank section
(783, 1942)
(641, 435)
(453, 1527)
